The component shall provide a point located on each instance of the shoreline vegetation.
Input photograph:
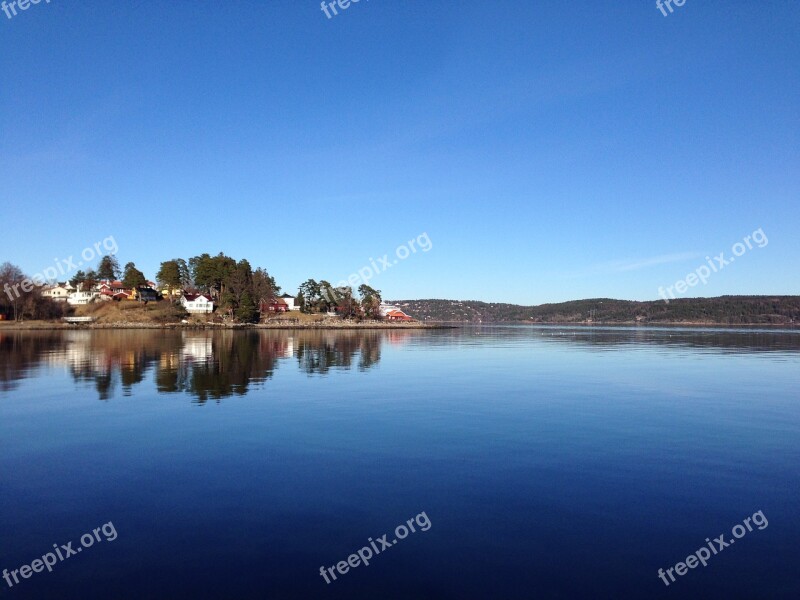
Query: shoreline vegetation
(323, 325)
(213, 292)
(780, 311)
(204, 289)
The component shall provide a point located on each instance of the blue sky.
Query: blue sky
(551, 151)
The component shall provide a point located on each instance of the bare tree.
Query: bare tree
(13, 283)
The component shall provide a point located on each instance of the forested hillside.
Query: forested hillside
(723, 310)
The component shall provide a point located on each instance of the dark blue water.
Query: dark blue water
(543, 462)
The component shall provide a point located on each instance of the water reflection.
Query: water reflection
(716, 340)
(206, 365)
(214, 365)
(19, 352)
(336, 349)
(722, 341)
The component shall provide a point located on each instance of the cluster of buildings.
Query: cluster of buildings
(194, 303)
(102, 290)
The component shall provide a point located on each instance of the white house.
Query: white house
(81, 297)
(289, 299)
(196, 348)
(59, 292)
(197, 303)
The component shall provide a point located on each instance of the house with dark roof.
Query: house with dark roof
(197, 303)
(147, 294)
(289, 299)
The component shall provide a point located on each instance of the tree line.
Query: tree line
(723, 310)
(322, 297)
(236, 288)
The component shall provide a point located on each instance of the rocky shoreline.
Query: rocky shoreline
(54, 325)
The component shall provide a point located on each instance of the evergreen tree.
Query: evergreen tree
(370, 301)
(108, 268)
(133, 277)
(78, 278)
(247, 312)
(89, 281)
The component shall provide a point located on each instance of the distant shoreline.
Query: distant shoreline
(767, 311)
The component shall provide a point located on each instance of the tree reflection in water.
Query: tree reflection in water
(219, 364)
(204, 364)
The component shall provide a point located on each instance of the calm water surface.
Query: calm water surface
(550, 462)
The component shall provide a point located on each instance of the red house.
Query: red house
(398, 315)
(113, 290)
(276, 305)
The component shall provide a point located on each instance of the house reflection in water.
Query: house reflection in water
(203, 364)
(218, 364)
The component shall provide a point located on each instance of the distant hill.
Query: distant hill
(725, 310)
